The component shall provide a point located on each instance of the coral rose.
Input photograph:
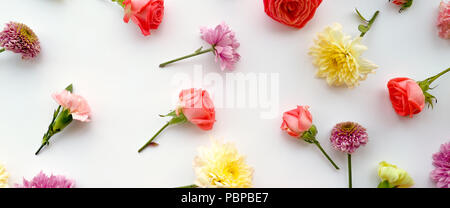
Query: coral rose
(406, 96)
(294, 13)
(147, 14)
(297, 121)
(198, 108)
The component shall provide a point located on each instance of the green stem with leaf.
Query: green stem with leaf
(425, 86)
(1, 50)
(365, 28)
(310, 137)
(154, 136)
(176, 118)
(196, 53)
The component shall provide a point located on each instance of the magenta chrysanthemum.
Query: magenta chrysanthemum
(19, 38)
(441, 160)
(224, 42)
(43, 181)
(348, 136)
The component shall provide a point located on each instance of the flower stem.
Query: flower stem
(431, 79)
(151, 140)
(42, 146)
(371, 21)
(1, 50)
(326, 155)
(188, 186)
(349, 159)
(196, 53)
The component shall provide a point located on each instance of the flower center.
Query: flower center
(26, 33)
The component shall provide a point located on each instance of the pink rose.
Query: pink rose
(406, 96)
(444, 20)
(147, 14)
(198, 108)
(77, 105)
(297, 121)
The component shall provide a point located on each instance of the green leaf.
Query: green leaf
(198, 50)
(363, 28)
(70, 88)
(360, 16)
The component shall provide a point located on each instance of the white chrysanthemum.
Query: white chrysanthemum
(4, 175)
(338, 59)
(221, 166)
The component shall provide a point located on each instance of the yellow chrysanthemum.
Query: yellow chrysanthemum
(396, 177)
(3, 177)
(221, 166)
(338, 59)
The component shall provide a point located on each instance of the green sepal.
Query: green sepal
(406, 5)
(385, 184)
(181, 118)
(310, 135)
(70, 88)
(61, 122)
(120, 2)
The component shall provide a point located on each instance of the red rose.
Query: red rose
(295, 13)
(147, 14)
(406, 96)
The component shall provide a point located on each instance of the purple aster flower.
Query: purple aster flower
(348, 136)
(441, 160)
(19, 38)
(223, 44)
(41, 180)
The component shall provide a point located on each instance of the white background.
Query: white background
(85, 42)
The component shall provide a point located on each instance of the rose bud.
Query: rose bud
(298, 123)
(195, 107)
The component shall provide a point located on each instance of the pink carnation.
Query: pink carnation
(77, 105)
(441, 160)
(19, 38)
(348, 136)
(444, 20)
(43, 181)
(224, 43)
